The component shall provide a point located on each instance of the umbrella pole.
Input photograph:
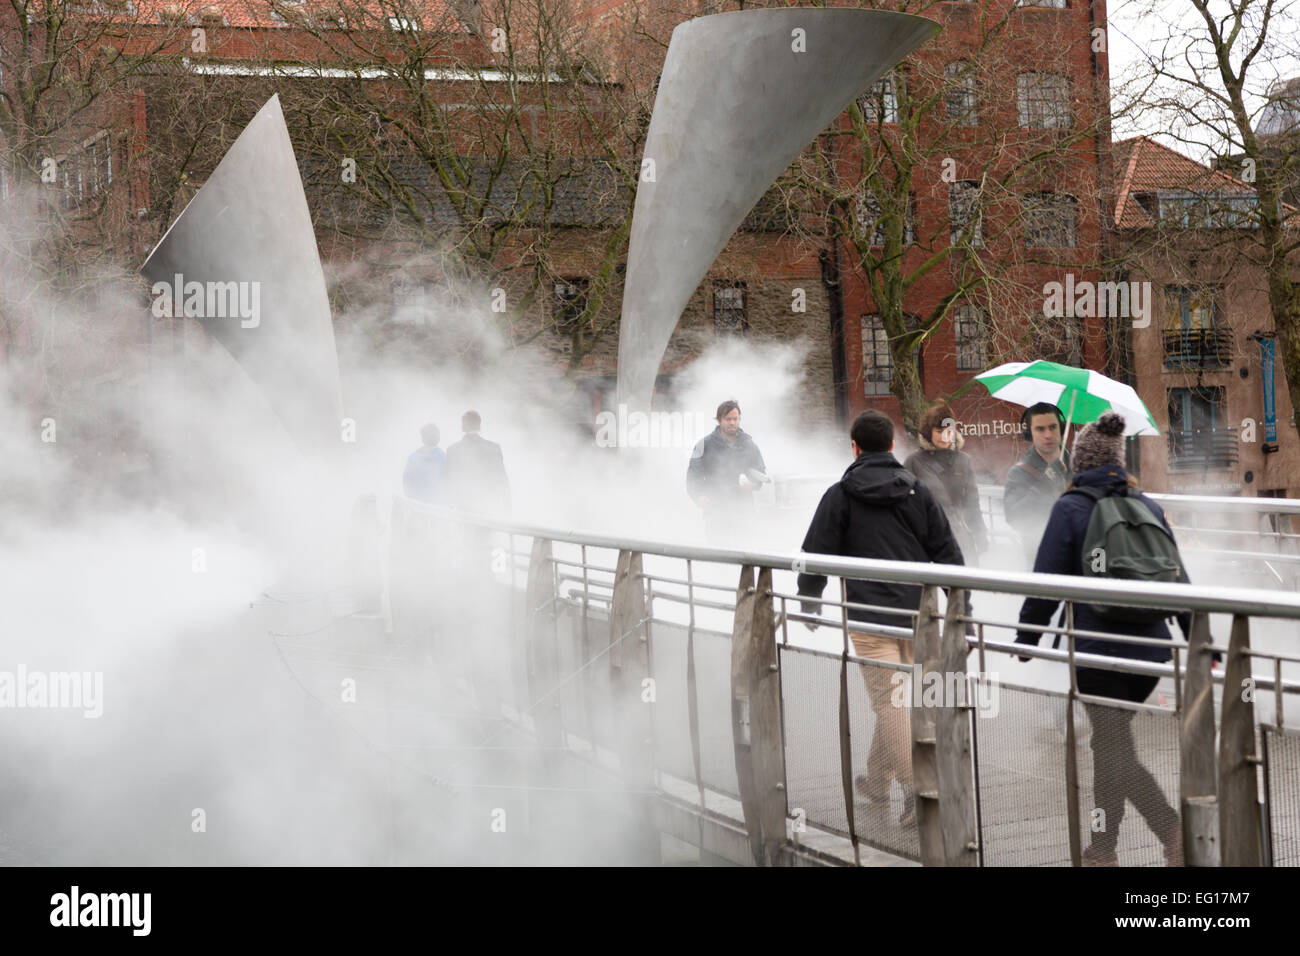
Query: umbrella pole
(1074, 397)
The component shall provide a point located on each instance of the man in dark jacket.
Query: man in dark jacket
(880, 510)
(1118, 774)
(726, 469)
(476, 471)
(1036, 480)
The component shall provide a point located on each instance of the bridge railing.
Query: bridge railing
(1258, 537)
(689, 672)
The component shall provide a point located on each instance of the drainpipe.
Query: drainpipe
(829, 258)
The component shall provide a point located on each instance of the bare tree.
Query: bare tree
(961, 182)
(1218, 87)
(486, 137)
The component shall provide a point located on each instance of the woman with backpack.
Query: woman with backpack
(946, 470)
(1073, 543)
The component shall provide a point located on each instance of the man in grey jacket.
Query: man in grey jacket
(1036, 480)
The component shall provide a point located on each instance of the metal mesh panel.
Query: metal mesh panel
(880, 738)
(713, 680)
(1284, 794)
(672, 728)
(594, 680)
(573, 715)
(1021, 768)
(1128, 781)
(810, 693)
(518, 663)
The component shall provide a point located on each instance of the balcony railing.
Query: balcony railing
(1203, 448)
(1198, 348)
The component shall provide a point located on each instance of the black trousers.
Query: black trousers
(1117, 774)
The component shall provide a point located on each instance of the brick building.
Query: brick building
(992, 113)
(1203, 365)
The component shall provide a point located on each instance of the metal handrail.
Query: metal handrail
(1060, 587)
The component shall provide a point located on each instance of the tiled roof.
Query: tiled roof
(1145, 166)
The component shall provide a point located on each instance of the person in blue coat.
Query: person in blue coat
(422, 477)
(1118, 774)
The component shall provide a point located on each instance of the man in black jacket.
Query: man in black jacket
(880, 510)
(476, 471)
(726, 469)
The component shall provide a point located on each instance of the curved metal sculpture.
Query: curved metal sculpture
(241, 259)
(740, 96)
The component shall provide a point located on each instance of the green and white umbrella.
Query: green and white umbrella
(1082, 395)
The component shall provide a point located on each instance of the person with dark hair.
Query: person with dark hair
(1037, 479)
(946, 470)
(476, 471)
(1118, 774)
(725, 470)
(425, 467)
(879, 509)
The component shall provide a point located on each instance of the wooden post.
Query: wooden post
(925, 761)
(540, 648)
(756, 716)
(1239, 822)
(953, 743)
(1198, 780)
(629, 661)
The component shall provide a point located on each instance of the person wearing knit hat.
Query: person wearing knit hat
(1099, 443)
(1118, 774)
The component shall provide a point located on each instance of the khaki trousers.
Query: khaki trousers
(890, 757)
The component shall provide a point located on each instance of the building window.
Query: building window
(1054, 4)
(97, 162)
(1202, 210)
(102, 160)
(569, 303)
(880, 104)
(1049, 220)
(871, 219)
(729, 316)
(1196, 436)
(411, 300)
(1043, 100)
(960, 98)
(877, 363)
(963, 209)
(1188, 308)
(1061, 340)
(971, 332)
(71, 181)
(1193, 337)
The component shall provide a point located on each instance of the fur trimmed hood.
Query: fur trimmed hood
(927, 445)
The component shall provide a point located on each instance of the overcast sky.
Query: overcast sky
(1142, 25)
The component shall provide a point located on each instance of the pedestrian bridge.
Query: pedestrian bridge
(687, 681)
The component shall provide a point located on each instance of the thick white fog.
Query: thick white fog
(219, 594)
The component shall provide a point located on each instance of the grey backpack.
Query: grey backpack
(1125, 541)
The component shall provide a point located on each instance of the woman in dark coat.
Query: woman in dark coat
(946, 470)
(1118, 773)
